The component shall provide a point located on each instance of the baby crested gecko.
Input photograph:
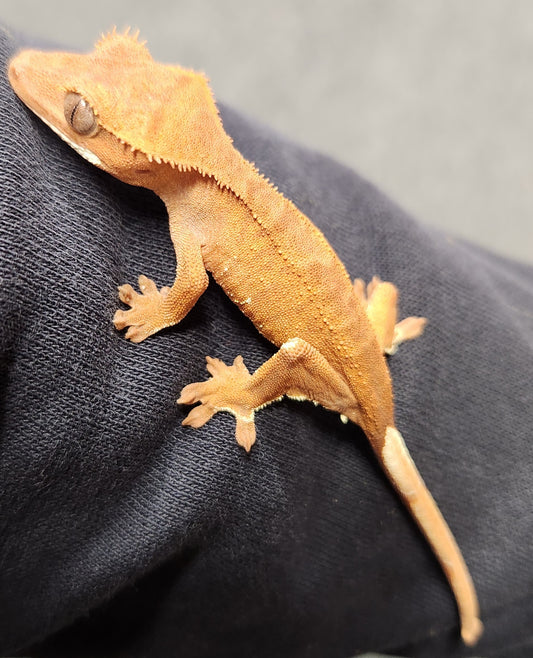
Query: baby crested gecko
(157, 126)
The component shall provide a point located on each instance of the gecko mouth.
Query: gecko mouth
(84, 152)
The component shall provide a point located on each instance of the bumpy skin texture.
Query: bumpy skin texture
(157, 126)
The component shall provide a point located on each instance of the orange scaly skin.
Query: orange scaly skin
(157, 126)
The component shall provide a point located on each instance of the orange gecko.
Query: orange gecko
(157, 126)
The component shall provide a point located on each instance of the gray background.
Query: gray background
(430, 99)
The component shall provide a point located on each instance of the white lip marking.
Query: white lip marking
(84, 152)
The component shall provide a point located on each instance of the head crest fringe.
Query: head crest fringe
(114, 38)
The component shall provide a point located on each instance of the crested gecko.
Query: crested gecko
(157, 126)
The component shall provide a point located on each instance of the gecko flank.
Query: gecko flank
(157, 126)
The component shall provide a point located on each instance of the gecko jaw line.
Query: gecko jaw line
(84, 152)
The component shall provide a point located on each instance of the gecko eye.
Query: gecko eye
(80, 115)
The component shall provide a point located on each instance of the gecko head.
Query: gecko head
(121, 110)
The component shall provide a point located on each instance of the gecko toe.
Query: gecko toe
(147, 286)
(126, 294)
(199, 416)
(137, 333)
(245, 433)
(120, 320)
(190, 394)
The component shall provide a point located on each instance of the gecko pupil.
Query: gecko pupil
(80, 115)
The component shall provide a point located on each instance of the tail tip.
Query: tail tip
(471, 631)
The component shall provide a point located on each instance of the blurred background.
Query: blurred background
(432, 100)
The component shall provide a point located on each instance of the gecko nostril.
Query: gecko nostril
(13, 70)
(19, 64)
(16, 69)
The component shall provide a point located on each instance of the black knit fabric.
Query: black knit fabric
(125, 534)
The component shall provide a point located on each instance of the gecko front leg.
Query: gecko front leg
(297, 370)
(152, 310)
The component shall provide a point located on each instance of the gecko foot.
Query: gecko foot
(380, 300)
(145, 315)
(224, 391)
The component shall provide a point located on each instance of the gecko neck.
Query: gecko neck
(232, 171)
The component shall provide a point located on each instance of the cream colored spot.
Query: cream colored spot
(293, 342)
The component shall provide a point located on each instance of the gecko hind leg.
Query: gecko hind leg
(297, 370)
(380, 299)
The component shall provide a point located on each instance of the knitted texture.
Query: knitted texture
(125, 534)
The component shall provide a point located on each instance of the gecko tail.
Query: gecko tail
(405, 477)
